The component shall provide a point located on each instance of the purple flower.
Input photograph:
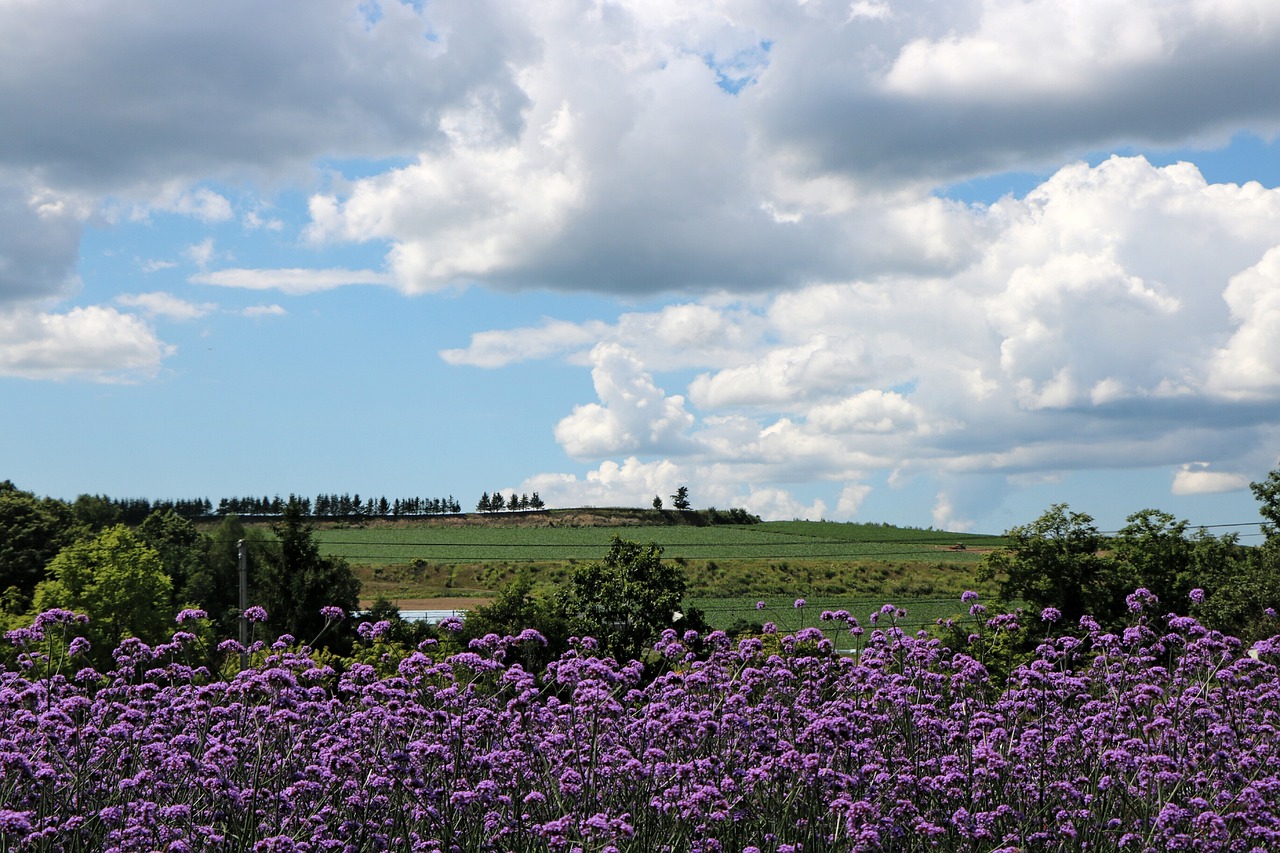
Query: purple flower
(968, 596)
(191, 613)
(451, 623)
(799, 602)
(759, 605)
(14, 823)
(1139, 599)
(1197, 596)
(255, 614)
(79, 645)
(332, 613)
(1050, 615)
(59, 617)
(373, 630)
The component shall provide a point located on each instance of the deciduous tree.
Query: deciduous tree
(32, 532)
(626, 599)
(1057, 561)
(118, 581)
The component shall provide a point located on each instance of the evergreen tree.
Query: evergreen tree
(296, 580)
(483, 505)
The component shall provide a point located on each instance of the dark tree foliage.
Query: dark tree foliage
(517, 607)
(184, 551)
(32, 532)
(625, 600)
(1057, 561)
(295, 580)
(96, 512)
(401, 631)
(1267, 493)
(1153, 551)
(680, 500)
(214, 585)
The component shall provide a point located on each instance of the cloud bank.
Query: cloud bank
(774, 172)
(1121, 315)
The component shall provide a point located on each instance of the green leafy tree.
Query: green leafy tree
(625, 600)
(32, 532)
(1242, 585)
(1267, 493)
(295, 580)
(1153, 551)
(517, 607)
(1057, 561)
(680, 500)
(1237, 583)
(118, 581)
(96, 512)
(184, 551)
(214, 584)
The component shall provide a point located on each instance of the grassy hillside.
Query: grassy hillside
(475, 555)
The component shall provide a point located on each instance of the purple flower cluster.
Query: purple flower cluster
(1145, 740)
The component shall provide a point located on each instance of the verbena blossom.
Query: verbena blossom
(332, 613)
(1159, 739)
(255, 614)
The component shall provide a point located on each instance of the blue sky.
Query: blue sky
(871, 261)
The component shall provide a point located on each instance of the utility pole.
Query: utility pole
(242, 551)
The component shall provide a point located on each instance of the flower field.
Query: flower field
(1162, 737)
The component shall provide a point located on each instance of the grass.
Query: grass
(735, 611)
(873, 563)
(787, 540)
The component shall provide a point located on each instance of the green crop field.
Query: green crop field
(787, 540)
(873, 563)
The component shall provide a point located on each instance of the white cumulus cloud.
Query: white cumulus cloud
(633, 414)
(1197, 479)
(96, 344)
